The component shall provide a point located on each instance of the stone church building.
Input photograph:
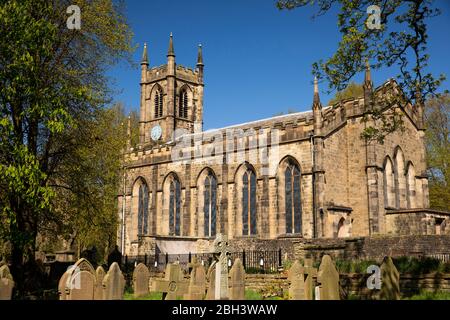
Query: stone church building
(319, 179)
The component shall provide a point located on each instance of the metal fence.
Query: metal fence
(443, 257)
(253, 261)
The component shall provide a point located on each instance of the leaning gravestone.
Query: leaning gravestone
(141, 278)
(390, 280)
(221, 277)
(98, 290)
(113, 283)
(6, 283)
(78, 282)
(211, 276)
(310, 274)
(237, 281)
(173, 285)
(328, 278)
(197, 283)
(296, 279)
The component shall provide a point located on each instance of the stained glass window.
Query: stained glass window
(293, 204)
(209, 207)
(249, 203)
(143, 210)
(174, 208)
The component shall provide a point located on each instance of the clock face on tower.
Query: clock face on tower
(156, 133)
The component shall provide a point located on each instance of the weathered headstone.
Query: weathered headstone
(328, 278)
(98, 290)
(173, 285)
(390, 280)
(197, 283)
(211, 276)
(310, 274)
(113, 283)
(237, 281)
(221, 277)
(78, 282)
(141, 278)
(6, 283)
(296, 279)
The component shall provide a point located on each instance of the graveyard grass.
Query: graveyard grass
(249, 295)
(426, 295)
(150, 296)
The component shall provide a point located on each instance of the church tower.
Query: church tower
(171, 98)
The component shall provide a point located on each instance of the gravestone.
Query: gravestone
(113, 283)
(211, 276)
(296, 279)
(390, 280)
(237, 281)
(221, 277)
(6, 283)
(197, 283)
(98, 290)
(141, 278)
(173, 285)
(328, 278)
(310, 274)
(78, 282)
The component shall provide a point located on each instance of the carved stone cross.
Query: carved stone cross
(221, 252)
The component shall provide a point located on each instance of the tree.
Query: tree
(353, 90)
(401, 40)
(52, 82)
(86, 206)
(437, 138)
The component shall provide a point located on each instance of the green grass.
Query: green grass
(249, 295)
(150, 296)
(252, 295)
(426, 295)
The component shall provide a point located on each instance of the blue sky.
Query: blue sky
(257, 59)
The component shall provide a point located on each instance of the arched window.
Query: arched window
(293, 203)
(143, 210)
(209, 206)
(183, 105)
(174, 208)
(249, 203)
(389, 184)
(400, 179)
(158, 103)
(411, 186)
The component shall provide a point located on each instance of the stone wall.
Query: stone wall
(353, 284)
(374, 248)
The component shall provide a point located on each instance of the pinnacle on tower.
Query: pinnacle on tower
(316, 99)
(144, 55)
(200, 56)
(367, 76)
(171, 51)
